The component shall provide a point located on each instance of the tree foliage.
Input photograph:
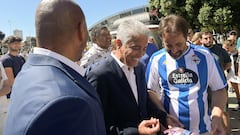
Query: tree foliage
(167, 6)
(205, 16)
(223, 17)
(218, 15)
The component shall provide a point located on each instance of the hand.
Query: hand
(217, 126)
(149, 127)
(173, 122)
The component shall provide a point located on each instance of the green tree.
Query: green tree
(205, 16)
(192, 13)
(215, 15)
(223, 18)
(220, 15)
(167, 6)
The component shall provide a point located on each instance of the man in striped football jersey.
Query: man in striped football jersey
(181, 73)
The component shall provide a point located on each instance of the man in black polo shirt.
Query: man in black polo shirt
(12, 61)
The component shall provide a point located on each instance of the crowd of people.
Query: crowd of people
(61, 89)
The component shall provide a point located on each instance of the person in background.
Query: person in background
(152, 40)
(181, 73)
(4, 88)
(151, 48)
(101, 39)
(12, 61)
(219, 53)
(232, 74)
(120, 83)
(224, 60)
(50, 96)
(2, 36)
(233, 35)
(4, 82)
(113, 43)
(196, 39)
(190, 34)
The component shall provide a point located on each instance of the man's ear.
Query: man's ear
(82, 31)
(118, 43)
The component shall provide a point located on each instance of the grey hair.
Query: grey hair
(129, 29)
(95, 32)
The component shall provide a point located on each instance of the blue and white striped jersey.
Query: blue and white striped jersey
(182, 84)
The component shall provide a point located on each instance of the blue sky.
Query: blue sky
(17, 14)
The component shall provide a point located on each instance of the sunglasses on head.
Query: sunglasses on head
(233, 33)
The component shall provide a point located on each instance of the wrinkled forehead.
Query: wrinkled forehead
(138, 39)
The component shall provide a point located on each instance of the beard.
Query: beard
(14, 49)
(207, 45)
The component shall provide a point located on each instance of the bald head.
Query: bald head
(61, 27)
(57, 21)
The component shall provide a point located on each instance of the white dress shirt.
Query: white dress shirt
(129, 73)
(63, 59)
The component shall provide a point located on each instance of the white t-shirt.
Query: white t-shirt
(231, 75)
(94, 56)
(3, 75)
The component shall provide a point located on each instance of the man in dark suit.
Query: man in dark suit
(49, 95)
(120, 83)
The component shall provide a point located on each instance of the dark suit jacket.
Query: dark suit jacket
(50, 98)
(121, 110)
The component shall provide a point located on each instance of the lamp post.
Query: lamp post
(10, 26)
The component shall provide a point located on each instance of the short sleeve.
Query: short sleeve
(6, 62)
(3, 73)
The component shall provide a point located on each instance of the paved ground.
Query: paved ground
(234, 115)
